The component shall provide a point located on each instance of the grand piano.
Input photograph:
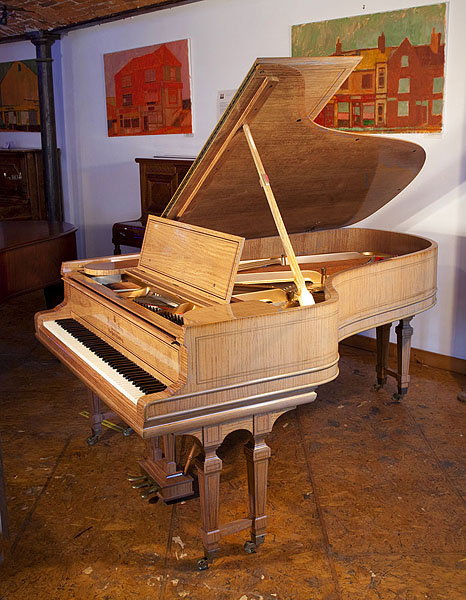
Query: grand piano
(232, 313)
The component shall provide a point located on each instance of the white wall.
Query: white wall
(101, 178)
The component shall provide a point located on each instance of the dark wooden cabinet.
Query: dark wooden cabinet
(21, 185)
(159, 179)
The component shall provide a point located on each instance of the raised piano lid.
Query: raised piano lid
(194, 262)
(321, 178)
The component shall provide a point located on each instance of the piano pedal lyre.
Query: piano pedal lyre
(162, 475)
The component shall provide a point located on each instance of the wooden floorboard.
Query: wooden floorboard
(366, 495)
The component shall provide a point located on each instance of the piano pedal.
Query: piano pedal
(145, 481)
(127, 431)
(136, 477)
(141, 484)
(152, 490)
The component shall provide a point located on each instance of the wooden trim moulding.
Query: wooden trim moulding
(424, 357)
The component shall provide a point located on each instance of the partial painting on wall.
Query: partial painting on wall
(19, 96)
(398, 85)
(148, 90)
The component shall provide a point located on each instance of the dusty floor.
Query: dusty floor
(366, 496)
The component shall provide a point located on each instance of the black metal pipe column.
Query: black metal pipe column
(43, 43)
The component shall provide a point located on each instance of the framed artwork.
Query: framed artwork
(398, 85)
(19, 96)
(148, 90)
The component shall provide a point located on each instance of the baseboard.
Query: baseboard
(431, 359)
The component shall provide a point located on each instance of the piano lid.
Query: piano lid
(321, 178)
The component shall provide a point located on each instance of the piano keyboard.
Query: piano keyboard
(130, 379)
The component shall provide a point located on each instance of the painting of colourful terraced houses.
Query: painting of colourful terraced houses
(399, 84)
(148, 90)
(19, 96)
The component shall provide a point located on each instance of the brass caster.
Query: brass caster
(93, 439)
(202, 564)
(250, 547)
(397, 397)
(376, 387)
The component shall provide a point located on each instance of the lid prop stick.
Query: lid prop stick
(304, 295)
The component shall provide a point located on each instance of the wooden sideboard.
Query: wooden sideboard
(21, 185)
(158, 179)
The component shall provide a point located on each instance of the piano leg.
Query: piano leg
(257, 456)
(209, 490)
(96, 417)
(383, 338)
(404, 332)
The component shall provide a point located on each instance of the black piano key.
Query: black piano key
(178, 319)
(123, 365)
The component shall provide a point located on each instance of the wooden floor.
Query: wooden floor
(366, 496)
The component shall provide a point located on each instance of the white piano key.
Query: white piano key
(131, 391)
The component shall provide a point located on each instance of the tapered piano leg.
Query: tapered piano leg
(383, 338)
(257, 457)
(209, 488)
(404, 332)
(95, 416)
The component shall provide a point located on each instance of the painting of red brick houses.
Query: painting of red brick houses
(148, 90)
(398, 86)
(19, 96)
